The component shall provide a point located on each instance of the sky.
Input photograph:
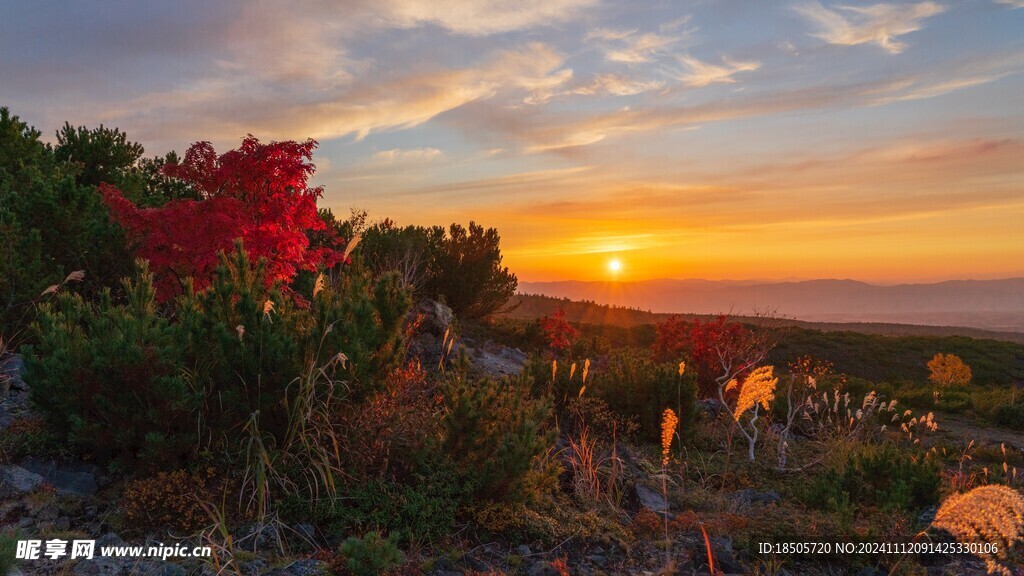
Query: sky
(706, 139)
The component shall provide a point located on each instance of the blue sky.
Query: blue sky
(711, 139)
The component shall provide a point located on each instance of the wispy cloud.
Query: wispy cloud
(879, 24)
(407, 155)
(1011, 3)
(703, 73)
(481, 17)
(616, 85)
(634, 47)
(357, 108)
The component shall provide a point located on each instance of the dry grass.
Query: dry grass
(988, 514)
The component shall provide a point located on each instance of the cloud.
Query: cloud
(231, 107)
(704, 73)
(542, 130)
(1011, 3)
(616, 85)
(639, 48)
(481, 17)
(633, 47)
(877, 24)
(407, 155)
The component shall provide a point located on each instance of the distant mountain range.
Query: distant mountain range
(985, 304)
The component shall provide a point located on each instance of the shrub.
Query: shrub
(50, 225)
(880, 475)
(372, 554)
(461, 267)
(27, 436)
(423, 509)
(107, 377)
(98, 155)
(1009, 415)
(8, 548)
(559, 335)
(121, 382)
(547, 522)
(494, 431)
(948, 370)
(167, 500)
(636, 387)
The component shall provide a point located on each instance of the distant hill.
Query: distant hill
(531, 306)
(995, 305)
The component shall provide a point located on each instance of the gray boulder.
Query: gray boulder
(18, 480)
(651, 500)
(12, 367)
(436, 316)
(75, 478)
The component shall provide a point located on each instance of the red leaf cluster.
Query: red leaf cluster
(706, 344)
(257, 192)
(558, 333)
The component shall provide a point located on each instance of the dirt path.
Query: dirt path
(962, 430)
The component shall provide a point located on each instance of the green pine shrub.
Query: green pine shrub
(634, 387)
(240, 363)
(458, 266)
(494, 432)
(106, 376)
(886, 476)
(372, 554)
(421, 509)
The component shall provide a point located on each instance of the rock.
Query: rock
(436, 317)
(306, 531)
(651, 500)
(109, 539)
(165, 569)
(927, 515)
(76, 478)
(523, 550)
(63, 523)
(113, 566)
(541, 568)
(18, 480)
(12, 367)
(48, 512)
(261, 538)
(102, 566)
(475, 563)
(709, 407)
(255, 567)
(306, 567)
(514, 355)
(598, 559)
(724, 555)
(750, 496)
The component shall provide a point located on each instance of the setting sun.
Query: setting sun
(615, 266)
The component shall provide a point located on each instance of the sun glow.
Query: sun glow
(615, 266)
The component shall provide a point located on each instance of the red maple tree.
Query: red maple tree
(257, 192)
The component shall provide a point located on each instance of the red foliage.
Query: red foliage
(672, 341)
(257, 192)
(708, 344)
(558, 333)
